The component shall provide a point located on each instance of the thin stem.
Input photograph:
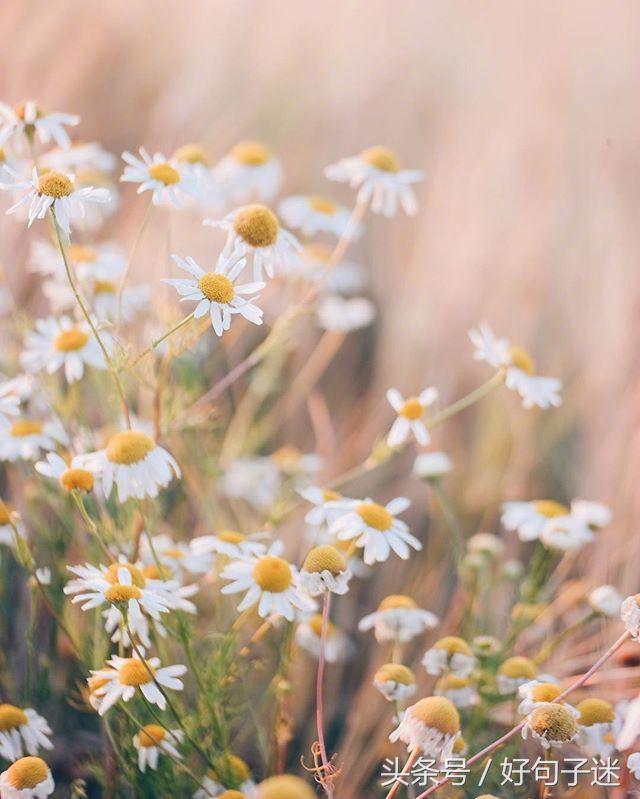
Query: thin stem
(93, 527)
(159, 341)
(413, 756)
(464, 402)
(326, 781)
(125, 274)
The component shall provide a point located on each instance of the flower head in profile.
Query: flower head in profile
(193, 162)
(22, 731)
(552, 724)
(9, 519)
(338, 645)
(555, 524)
(70, 475)
(249, 172)
(101, 261)
(431, 466)
(27, 778)
(229, 544)
(134, 463)
(518, 366)
(312, 214)
(151, 741)
(26, 438)
(159, 175)
(378, 175)
(596, 723)
(398, 618)
(459, 690)
(216, 292)
(606, 599)
(514, 672)
(323, 512)
(449, 655)
(255, 233)
(230, 770)
(535, 693)
(395, 682)
(324, 571)
(431, 726)
(410, 413)
(26, 120)
(344, 314)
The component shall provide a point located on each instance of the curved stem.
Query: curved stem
(159, 341)
(125, 274)
(326, 782)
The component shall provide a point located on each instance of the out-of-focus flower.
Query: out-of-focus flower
(459, 690)
(596, 726)
(27, 778)
(633, 764)
(553, 725)
(79, 156)
(235, 769)
(606, 599)
(535, 693)
(410, 413)
(314, 214)
(151, 741)
(26, 120)
(70, 475)
(395, 682)
(344, 314)
(519, 368)
(556, 525)
(229, 544)
(431, 726)
(345, 277)
(432, 465)
(194, 164)
(338, 646)
(26, 438)
(323, 513)
(486, 544)
(174, 556)
(379, 178)
(163, 177)
(256, 480)
(249, 172)
(449, 655)
(22, 731)
(398, 618)
(9, 518)
(324, 570)
(514, 672)
(284, 786)
(104, 261)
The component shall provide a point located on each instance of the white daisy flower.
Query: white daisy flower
(22, 731)
(324, 571)
(594, 514)
(431, 465)
(552, 724)
(233, 768)
(338, 646)
(105, 302)
(398, 618)
(395, 682)
(449, 655)
(194, 165)
(69, 475)
(27, 778)
(535, 693)
(52, 190)
(431, 726)
(249, 172)
(26, 121)
(375, 528)
(514, 672)
(255, 233)
(376, 172)
(458, 690)
(519, 368)
(323, 514)
(528, 519)
(229, 544)
(9, 403)
(344, 314)
(216, 293)
(43, 575)
(293, 463)
(314, 214)
(85, 155)
(163, 177)
(104, 261)
(255, 480)
(270, 582)
(566, 533)
(26, 438)
(410, 413)
(8, 519)
(134, 463)
(63, 343)
(176, 556)
(606, 599)
(345, 277)
(596, 725)
(126, 674)
(153, 740)
(97, 214)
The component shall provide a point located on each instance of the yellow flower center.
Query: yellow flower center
(134, 672)
(256, 225)
(550, 508)
(70, 340)
(152, 572)
(231, 794)
(272, 574)
(21, 109)
(122, 593)
(173, 552)
(450, 682)
(381, 158)
(459, 745)
(287, 458)
(438, 713)
(137, 578)
(595, 711)
(55, 184)
(374, 515)
(26, 773)
(285, 786)
(191, 154)
(231, 536)
(164, 173)
(397, 601)
(553, 722)
(5, 513)
(25, 427)
(130, 446)
(151, 735)
(216, 288)
(545, 692)
(79, 253)
(518, 668)
(412, 409)
(521, 359)
(11, 717)
(330, 496)
(3, 155)
(324, 558)
(322, 205)
(395, 672)
(453, 645)
(315, 252)
(250, 153)
(104, 287)
(315, 622)
(79, 479)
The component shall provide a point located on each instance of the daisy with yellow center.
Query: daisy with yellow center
(344, 314)
(254, 232)
(27, 778)
(398, 619)
(22, 731)
(68, 474)
(450, 655)
(431, 726)
(103, 261)
(315, 214)
(285, 786)
(152, 741)
(9, 519)
(519, 369)
(26, 438)
(514, 672)
(248, 173)
(175, 557)
(528, 519)
(194, 164)
(606, 600)
(380, 180)
(553, 725)
(337, 646)
(163, 177)
(229, 544)
(324, 570)
(63, 344)
(9, 403)
(26, 120)
(270, 582)
(459, 690)
(596, 725)
(537, 692)
(134, 463)
(432, 466)
(233, 771)
(216, 293)
(375, 528)
(322, 514)
(395, 682)
(556, 525)
(410, 414)
(125, 675)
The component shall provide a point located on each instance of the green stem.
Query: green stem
(159, 341)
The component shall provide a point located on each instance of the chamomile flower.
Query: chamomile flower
(216, 292)
(528, 519)
(344, 314)
(27, 778)
(9, 403)
(9, 519)
(398, 618)
(164, 178)
(176, 556)
(313, 214)
(284, 786)
(630, 615)
(449, 655)
(633, 764)
(104, 261)
(194, 164)
(82, 155)
(375, 528)
(431, 726)
(53, 191)
(124, 675)
(395, 682)
(68, 474)
(256, 480)
(338, 646)
(346, 277)
(458, 690)
(270, 582)
(519, 368)
(410, 413)
(324, 570)
(22, 731)
(514, 672)
(134, 463)
(26, 120)
(254, 232)
(229, 544)
(606, 599)
(377, 174)
(106, 303)
(249, 172)
(594, 514)
(63, 344)
(153, 740)
(323, 513)
(553, 725)
(233, 770)
(535, 693)
(26, 439)
(596, 722)
(566, 533)
(431, 466)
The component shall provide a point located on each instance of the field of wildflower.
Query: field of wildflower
(318, 400)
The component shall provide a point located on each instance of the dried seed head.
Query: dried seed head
(324, 558)
(438, 713)
(553, 722)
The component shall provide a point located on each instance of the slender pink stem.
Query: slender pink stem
(319, 696)
(413, 756)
